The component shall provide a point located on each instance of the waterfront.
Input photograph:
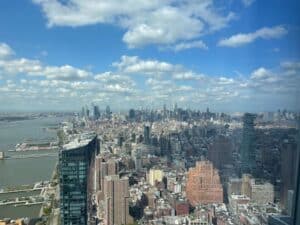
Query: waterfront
(12, 133)
(26, 171)
(18, 169)
(12, 211)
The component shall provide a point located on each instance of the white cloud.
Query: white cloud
(36, 68)
(248, 2)
(145, 22)
(225, 80)
(135, 65)
(260, 73)
(188, 45)
(21, 65)
(243, 39)
(293, 65)
(109, 77)
(66, 85)
(5, 50)
(188, 75)
(65, 72)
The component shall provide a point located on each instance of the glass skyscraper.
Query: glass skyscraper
(248, 144)
(76, 163)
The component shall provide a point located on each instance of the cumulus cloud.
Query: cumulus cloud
(263, 33)
(135, 65)
(5, 50)
(145, 22)
(57, 86)
(36, 68)
(110, 77)
(188, 45)
(260, 73)
(188, 75)
(292, 65)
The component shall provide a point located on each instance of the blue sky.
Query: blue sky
(236, 55)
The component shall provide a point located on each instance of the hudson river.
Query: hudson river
(16, 171)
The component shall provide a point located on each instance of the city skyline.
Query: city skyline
(226, 55)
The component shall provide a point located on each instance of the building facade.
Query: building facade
(76, 171)
(203, 184)
(248, 163)
(116, 200)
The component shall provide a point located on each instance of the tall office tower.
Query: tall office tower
(107, 168)
(87, 112)
(82, 112)
(147, 134)
(96, 112)
(165, 111)
(296, 205)
(203, 184)
(76, 171)
(108, 112)
(220, 152)
(288, 156)
(116, 198)
(131, 114)
(248, 145)
(296, 212)
(295, 218)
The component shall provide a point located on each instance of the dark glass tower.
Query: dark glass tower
(147, 134)
(248, 145)
(96, 112)
(76, 169)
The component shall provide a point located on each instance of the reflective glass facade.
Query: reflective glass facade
(74, 167)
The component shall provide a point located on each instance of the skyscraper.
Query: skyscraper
(147, 134)
(248, 163)
(108, 112)
(203, 184)
(131, 114)
(76, 168)
(288, 169)
(105, 168)
(220, 151)
(116, 198)
(96, 112)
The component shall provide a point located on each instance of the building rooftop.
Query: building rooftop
(79, 140)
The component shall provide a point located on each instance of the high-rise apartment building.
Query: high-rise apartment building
(105, 168)
(203, 184)
(248, 163)
(76, 171)
(116, 200)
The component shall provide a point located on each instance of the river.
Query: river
(26, 170)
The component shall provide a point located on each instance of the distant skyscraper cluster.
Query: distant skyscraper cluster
(177, 167)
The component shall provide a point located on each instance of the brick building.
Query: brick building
(203, 184)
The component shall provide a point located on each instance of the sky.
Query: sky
(228, 55)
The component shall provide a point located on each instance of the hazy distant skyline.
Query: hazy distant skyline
(237, 55)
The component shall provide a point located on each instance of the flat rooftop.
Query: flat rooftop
(79, 140)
